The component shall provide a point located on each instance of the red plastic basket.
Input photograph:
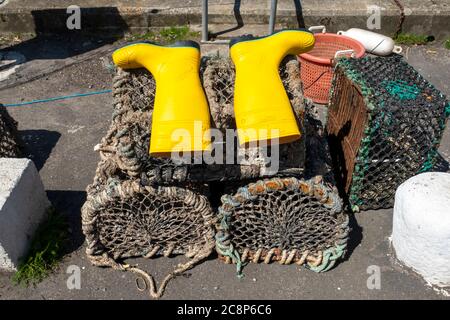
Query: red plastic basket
(316, 66)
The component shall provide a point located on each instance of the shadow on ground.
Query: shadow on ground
(54, 40)
(237, 16)
(441, 164)
(55, 46)
(69, 203)
(38, 145)
(240, 23)
(299, 14)
(355, 237)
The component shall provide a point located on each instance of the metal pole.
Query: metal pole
(273, 13)
(204, 20)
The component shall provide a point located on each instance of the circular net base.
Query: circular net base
(123, 219)
(288, 220)
(9, 146)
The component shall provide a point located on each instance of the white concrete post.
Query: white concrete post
(421, 230)
(23, 203)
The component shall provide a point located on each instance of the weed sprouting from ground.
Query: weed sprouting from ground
(166, 35)
(46, 250)
(413, 39)
(447, 44)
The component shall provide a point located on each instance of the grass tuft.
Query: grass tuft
(413, 39)
(447, 44)
(166, 35)
(46, 250)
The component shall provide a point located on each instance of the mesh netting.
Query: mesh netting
(123, 218)
(9, 146)
(318, 158)
(143, 221)
(133, 90)
(218, 80)
(385, 123)
(288, 220)
(140, 205)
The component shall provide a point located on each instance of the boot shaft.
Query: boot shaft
(181, 114)
(262, 108)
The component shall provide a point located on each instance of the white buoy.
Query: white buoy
(421, 230)
(373, 42)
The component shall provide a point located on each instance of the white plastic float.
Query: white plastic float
(373, 42)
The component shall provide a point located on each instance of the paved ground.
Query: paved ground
(60, 138)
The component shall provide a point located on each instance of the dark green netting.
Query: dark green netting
(385, 125)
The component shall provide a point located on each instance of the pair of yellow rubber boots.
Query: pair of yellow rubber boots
(181, 119)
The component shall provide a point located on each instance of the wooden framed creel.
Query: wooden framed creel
(385, 123)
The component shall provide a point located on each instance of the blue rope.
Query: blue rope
(76, 95)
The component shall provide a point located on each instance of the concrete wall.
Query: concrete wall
(429, 17)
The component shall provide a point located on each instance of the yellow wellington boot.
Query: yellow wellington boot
(181, 113)
(261, 105)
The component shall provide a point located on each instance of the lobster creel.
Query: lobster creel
(288, 220)
(143, 206)
(123, 219)
(385, 123)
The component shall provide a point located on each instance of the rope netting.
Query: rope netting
(385, 124)
(143, 206)
(318, 158)
(218, 80)
(129, 135)
(133, 90)
(9, 145)
(122, 218)
(288, 220)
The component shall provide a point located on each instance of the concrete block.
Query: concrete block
(23, 204)
(421, 230)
